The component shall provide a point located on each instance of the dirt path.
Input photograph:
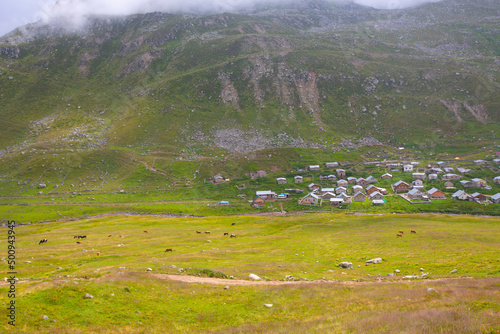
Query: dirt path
(222, 281)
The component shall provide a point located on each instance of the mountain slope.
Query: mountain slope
(309, 75)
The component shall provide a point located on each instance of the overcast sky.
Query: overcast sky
(15, 13)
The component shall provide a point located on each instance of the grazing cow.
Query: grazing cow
(226, 233)
(42, 241)
(233, 235)
(412, 231)
(109, 235)
(401, 232)
(121, 236)
(78, 242)
(168, 250)
(199, 232)
(233, 224)
(145, 231)
(82, 236)
(98, 254)
(400, 235)
(207, 232)
(75, 237)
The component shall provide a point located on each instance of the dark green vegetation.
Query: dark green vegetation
(132, 300)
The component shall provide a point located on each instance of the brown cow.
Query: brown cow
(145, 231)
(168, 250)
(207, 232)
(226, 233)
(412, 231)
(199, 232)
(78, 242)
(401, 232)
(400, 235)
(109, 235)
(98, 254)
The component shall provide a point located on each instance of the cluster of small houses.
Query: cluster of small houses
(363, 189)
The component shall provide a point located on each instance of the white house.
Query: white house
(460, 194)
(266, 194)
(281, 180)
(408, 168)
(418, 176)
(309, 199)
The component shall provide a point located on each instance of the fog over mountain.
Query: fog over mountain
(76, 11)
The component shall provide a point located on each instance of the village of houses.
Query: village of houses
(342, 190)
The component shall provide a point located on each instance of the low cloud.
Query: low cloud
(76, 12)
(392, 4)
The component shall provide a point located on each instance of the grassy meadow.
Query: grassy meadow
(308, 246)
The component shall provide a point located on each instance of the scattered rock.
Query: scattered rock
(453, 271)
(254, 277)
(422, 269)
(397, 271)
(59, 267)
(45, 317)
(88, 296)
(268, 305)
(27, 261)
(345, 265)
(410, 277)
(376, 260)
(432, 290)
(121, 268)
(208, 241)
(330, 271)
(42, 185)
(112, 295)
(149, 269)
(226, 287)
(391, 274)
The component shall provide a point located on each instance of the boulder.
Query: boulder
(453, 271)
(410, 277)
(88, 296)
(268, 305)
(345, 265)
(42, 185)
(376, 260)
(254, 277)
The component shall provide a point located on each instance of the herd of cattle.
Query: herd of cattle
(145, 231)
(400, 234)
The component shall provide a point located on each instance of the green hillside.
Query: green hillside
(128, 99)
